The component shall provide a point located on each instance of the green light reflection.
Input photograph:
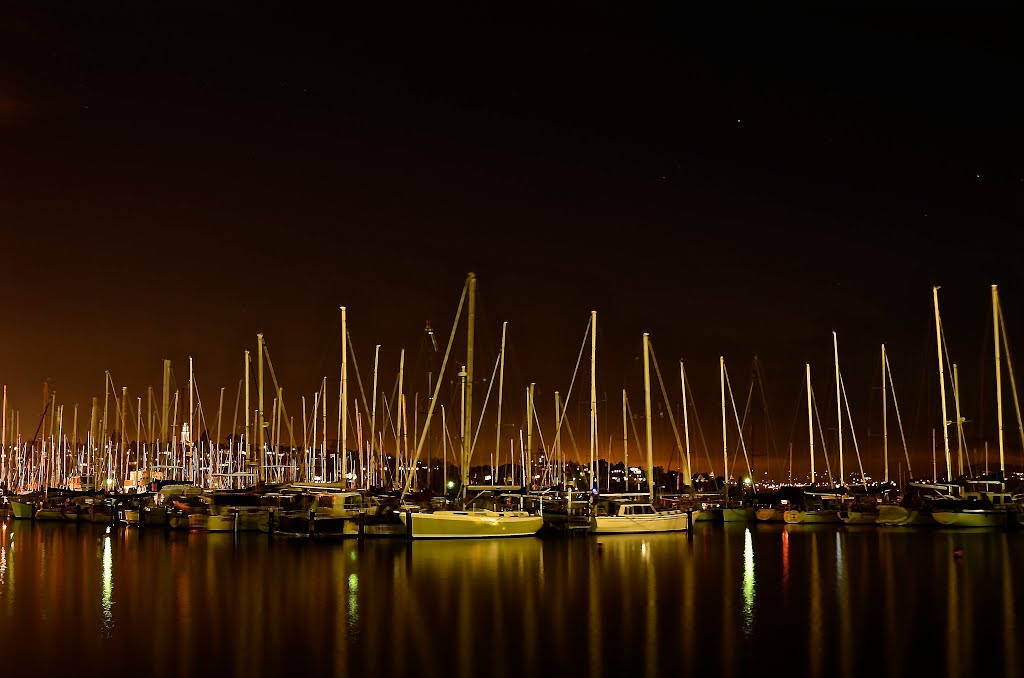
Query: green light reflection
(748, 584)
(108, 582)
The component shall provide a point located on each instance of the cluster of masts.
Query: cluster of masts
(166, 448)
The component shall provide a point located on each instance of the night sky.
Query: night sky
(174, 181)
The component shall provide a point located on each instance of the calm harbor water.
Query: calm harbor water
(732, 600)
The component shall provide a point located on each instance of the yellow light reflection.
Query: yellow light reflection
(749, 586)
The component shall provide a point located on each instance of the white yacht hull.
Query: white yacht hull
(659, 522)
(471, 524)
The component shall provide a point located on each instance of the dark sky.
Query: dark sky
(173, 181)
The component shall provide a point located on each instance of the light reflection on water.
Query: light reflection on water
(108, 584)
(728, 600)
(748, 583)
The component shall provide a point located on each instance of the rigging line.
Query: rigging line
(437, 389)
(821, 435)
(387, 410)
(277, 387)
(572, 383)
(541, 434)
(764, 403)
(1009, 370)
(736, 416)
(355, 366)
(572, 439)
(796, 411)
(671, 419)
(700, 431)
(632, 423)
(483, 410)
(742, 424)
(853, 434)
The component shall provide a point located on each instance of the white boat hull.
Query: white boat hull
(472, 524)
(674, 521)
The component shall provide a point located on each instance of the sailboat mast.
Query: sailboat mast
(191, 423)
(942, 381)
(529, 436)
(323, 427)
(444, 451)
(647, 414)
(725, 446)
(625, 441)
(559, 457)
(373, 411)
(343, 397)
(885, 428)
(3, 442)
(468, 413)
(959, 423)
(999, 382)
(220, 411)
(810, 420)
(400, 432)
(686, 427)
(245, 450)
(501, 383)
(593, 399)
(260, 441)
(839, 410)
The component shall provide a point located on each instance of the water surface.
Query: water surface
(730, 600)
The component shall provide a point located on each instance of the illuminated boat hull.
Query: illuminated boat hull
(219, 522)
(132, 516)
(55, 514)
(812, 517)
(902, 516)
(742, 514)
(859, 517)
(155, 516)
(472, 524)
(971, 518)
(253, 520)
(665, 521)
(770, 515)
(22, 509)
(103, 515)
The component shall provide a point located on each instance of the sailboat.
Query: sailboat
(470, 522)
(818, 506)
(627, 513)
(978, 505)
